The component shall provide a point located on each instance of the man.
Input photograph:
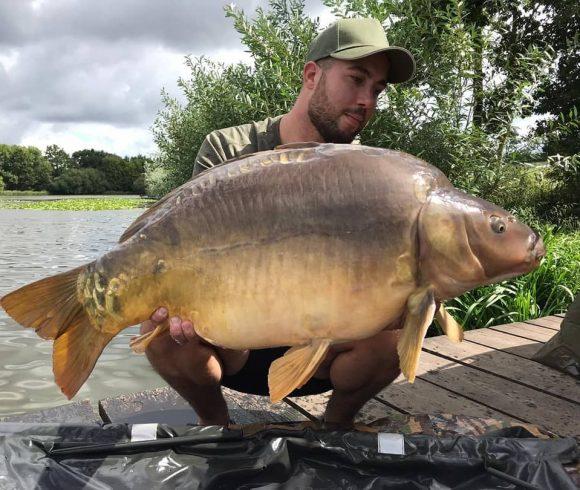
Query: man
(348, 66)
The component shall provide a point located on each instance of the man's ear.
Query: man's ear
(310, 75)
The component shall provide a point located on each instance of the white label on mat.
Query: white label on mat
(391, 443)
(143, 432)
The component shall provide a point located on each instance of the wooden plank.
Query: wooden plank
(521, 402)
(72, 413)
(551, 322)
(374, 410)
(532, 332)
(315, 405)
(162, 405)
(403, 397)
(509, 343)
(524, 371)
(249, 409)
(165, 405)
(560, 315)
(423, 397)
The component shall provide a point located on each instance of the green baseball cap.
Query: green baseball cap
(352, 39)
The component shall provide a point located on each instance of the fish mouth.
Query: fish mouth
(537, 248)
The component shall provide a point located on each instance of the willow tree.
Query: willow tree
(218, 95)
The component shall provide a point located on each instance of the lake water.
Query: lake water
(36, 244)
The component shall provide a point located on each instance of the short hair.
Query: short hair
(325, 63)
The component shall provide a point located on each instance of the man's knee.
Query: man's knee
(193, 362)
(365, 367)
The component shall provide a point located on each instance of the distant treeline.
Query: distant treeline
(26, 168)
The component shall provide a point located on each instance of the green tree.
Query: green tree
(219, 96)
(24, 168)
(80, 181)
(58, 158)
(89, 158)
(121, 174)
(479, 64)
(459, 112)
(559, 95)
(136, 170)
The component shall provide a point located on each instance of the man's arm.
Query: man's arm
(210, 154)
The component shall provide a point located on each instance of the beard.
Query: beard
(325, 117)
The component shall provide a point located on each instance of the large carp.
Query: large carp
(305, 246)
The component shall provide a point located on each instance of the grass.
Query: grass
(548, 290)
(91, 204)
(23, 193)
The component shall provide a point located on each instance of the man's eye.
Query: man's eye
(357, 80)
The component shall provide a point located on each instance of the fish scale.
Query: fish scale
(304, 246)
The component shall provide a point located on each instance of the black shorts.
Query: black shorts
(253, 377)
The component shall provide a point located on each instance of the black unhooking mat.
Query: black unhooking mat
(47, 456)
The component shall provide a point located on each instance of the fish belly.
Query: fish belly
(292, 291)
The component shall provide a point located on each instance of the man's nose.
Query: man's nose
(366, 99)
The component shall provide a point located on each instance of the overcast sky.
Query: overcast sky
(88, 74)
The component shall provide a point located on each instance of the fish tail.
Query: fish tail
(51, 306)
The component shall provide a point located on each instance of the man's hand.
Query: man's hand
(183, 333)
(180, 330)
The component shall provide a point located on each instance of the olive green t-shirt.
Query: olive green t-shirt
(224, 144)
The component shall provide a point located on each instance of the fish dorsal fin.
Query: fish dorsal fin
(449, 325)
(295, 368)
(298, 145)
(144, 219)
(420, 312)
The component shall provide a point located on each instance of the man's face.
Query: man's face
(346, 95)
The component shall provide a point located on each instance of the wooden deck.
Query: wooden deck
(489, 375)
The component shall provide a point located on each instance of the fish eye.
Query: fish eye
(498, 225)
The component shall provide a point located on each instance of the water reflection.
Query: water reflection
(36, 244)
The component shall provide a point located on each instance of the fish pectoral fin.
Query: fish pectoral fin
(295, 368)
(420, 312)
(449, 325)
(139, 344)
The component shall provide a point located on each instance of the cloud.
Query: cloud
(179, 24)
(72, 68)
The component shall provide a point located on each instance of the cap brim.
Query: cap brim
(402, 63)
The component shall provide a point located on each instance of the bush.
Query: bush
(219, 96)
(455, 114)
(24, 168)
(138, 186)
(80, 181)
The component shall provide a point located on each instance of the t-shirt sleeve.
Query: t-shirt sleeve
(209, 155)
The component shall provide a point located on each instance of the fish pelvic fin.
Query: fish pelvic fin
(449, 325)
(420, 312)
(295, 368)
(74, 355)
(51, 306)
(139, 344)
